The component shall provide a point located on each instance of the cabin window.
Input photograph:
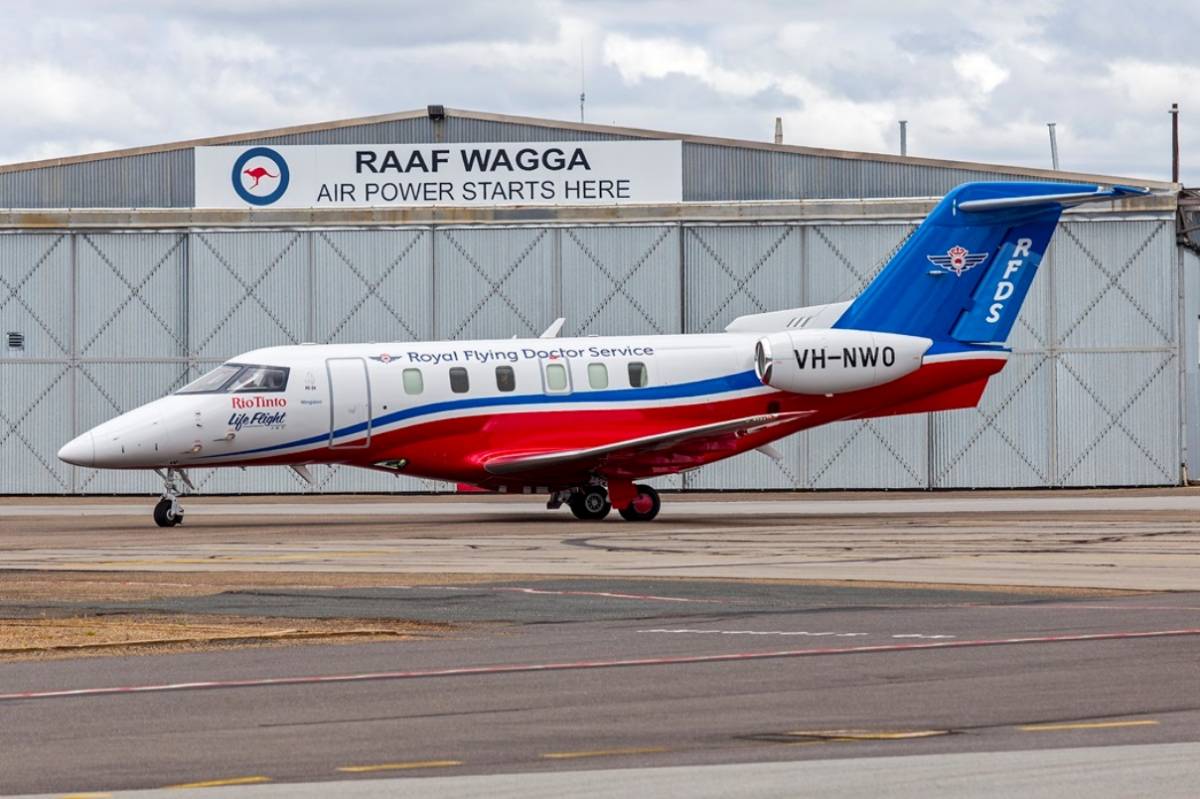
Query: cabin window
(556, 377)
(414, 382)
(506, 379)
(638, 376)
(235, 377)
(597, 375)
(459, 382)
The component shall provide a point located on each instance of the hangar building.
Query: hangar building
(121, 278)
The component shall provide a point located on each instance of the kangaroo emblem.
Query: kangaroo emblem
(258, 173)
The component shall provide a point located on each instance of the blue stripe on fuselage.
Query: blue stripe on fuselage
(715, 385)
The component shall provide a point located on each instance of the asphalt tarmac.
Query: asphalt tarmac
(552, 684)
(692, 673)
(1105, 539)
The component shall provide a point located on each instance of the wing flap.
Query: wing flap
(594, 457)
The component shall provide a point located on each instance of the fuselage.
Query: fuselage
(442, 410)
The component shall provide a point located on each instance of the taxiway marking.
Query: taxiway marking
(222, 783)
(606, 594)
(1087, 725)
(518, 668)
(415, 764)
(801, 633)
(633, 750)
(868, 735)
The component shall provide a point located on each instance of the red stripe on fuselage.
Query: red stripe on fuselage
(455, 449)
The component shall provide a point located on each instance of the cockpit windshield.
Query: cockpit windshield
(229, 378)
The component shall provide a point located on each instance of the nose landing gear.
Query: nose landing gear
(168, 512)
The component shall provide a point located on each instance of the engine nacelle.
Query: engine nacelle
(832, 361)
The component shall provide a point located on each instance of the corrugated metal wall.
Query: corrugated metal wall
(710, 172)
(111, 320)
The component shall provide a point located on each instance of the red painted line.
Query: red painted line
(519, 668)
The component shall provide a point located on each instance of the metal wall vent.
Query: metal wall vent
(16, 341)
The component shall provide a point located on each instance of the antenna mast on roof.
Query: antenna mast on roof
(582, 96)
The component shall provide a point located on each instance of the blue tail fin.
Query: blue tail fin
(964, 273)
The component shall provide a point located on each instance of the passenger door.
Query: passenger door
(349, 403)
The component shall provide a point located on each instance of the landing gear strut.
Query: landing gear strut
(168, 512)
(590, 503)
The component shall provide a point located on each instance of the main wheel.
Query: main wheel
(590, 504)
(164, 516)
(645, 505)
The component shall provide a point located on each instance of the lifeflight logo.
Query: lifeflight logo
(260, 176)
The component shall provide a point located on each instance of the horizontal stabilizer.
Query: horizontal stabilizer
(1064, 200)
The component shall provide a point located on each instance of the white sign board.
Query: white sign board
(349, 175)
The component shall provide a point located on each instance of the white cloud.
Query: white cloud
(638, 59)
(980, 70)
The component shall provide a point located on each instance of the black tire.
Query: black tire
(647, 499)
(591, 504)
(163, 516)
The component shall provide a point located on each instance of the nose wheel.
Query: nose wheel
(168, 512)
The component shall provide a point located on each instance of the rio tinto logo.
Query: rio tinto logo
(247, 403)
(260, 175)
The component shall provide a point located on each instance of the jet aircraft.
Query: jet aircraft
(584, 419)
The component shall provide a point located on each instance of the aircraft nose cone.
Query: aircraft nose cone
(80, 451)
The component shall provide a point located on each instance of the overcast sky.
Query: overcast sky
(976, 80)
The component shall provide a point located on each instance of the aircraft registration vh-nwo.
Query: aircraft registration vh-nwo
(582, 419)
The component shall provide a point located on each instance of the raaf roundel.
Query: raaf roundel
(582, 420)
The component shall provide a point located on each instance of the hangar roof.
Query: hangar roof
(715, 169)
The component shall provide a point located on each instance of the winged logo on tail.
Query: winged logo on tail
(958, 260)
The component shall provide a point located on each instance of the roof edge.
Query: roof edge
(588, 127)
(209, 141)
(785, 211)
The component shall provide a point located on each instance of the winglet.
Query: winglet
(555, 327)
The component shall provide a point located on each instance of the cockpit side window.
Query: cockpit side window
(260, 378)
(229, 378)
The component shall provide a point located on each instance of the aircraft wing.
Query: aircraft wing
(631, 450)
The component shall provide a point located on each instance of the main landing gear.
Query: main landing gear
(643, 507)
(592, 503)
(168, 512)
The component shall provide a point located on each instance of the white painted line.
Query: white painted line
(605, 594)
(690, 631)
(524, 668)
